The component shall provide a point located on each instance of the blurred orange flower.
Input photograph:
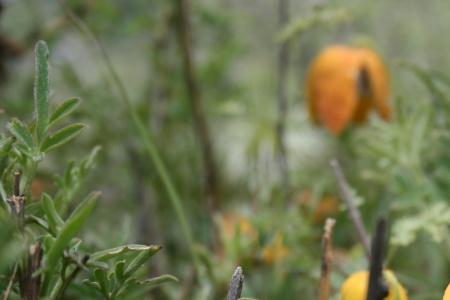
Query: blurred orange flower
(275, 251)
(232, 223)
(326, 207)
(344, 84)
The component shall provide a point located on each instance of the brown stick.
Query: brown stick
(327, 260)
(236, 284)
(30, 285)
(198, 116)
(282, 103)
(347, 197)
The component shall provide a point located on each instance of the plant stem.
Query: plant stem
(10, 283)
(327, 259)
(59, 292)
(198, 116)
(282, 103)
(144, 134)
(378, 289)
(355, 215)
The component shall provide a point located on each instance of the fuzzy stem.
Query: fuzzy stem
(327, 259)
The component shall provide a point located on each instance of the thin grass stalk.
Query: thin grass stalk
(144, 134)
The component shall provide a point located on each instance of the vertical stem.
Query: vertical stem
(16, 187)
(282, 103)
(377, 289)
(347, 197)
(198, 116)
(327, 260)
(10, 283)
(145, 135)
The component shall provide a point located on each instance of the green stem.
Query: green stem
(145, 135)
(30, 175)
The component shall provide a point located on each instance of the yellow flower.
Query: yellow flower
(355, 287)
(447, 293)
(275, 251)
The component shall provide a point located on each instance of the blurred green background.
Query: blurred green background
(400, 169)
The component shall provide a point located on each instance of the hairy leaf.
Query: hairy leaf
(61, 137)
(20, 131)
(71, 227)
(41, 87)
(63, 110)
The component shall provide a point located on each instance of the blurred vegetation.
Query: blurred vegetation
(400, 169)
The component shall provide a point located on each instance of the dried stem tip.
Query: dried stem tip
(236, 284)
(16, 188)
(327, 259)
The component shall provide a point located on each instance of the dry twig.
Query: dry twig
(236, 284)
(347, 197)
(327, 259)
(198, 116)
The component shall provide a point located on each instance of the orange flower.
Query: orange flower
(275, 251)
(328, 206)
(344, 84)
(232, 223)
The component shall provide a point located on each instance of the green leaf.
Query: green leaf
(97, 264)
(5, 146)
(152, 282)
(3, 195)
(31, 219)
(92, 284)
(133, 287)
(41, 87)
(20, 131)
(71, 227)
(63, 110)
(54, 220)
(88, 162)
(139, 260)
(100, 277)
(119, 270)
(113, 252)
(61, 137)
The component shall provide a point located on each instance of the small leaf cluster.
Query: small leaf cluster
(50, 260)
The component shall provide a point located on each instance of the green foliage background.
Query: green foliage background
(400, 169)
